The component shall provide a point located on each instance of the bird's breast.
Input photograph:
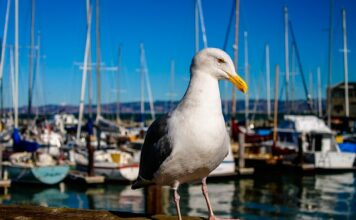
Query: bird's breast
(203, 141)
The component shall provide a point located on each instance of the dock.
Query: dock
(82, 177)
(39, 212)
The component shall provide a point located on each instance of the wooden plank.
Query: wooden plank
(5, 183)
(38, 212)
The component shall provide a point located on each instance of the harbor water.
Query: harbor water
(277, 196)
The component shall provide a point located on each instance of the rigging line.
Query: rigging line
(300, 65)
(229, 26)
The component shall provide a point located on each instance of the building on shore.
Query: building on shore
(338, 106)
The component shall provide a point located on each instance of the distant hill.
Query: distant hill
(298, 106)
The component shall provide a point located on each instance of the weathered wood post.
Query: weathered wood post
(91, 151)
(241, 150)
(0, 162)
(153, 200)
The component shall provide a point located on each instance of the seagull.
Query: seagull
(189, 142)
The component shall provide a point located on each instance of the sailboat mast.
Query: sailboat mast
(38, 59)
(275, 118)
(84, 74)
(319, 93)
(196, 14)
(268, 85)
(148, 85)
(119, 69)
(3, 47)
(12, 78)
(203, 29)
(90, 77)
(311, 90)
(142, 81)
(98, 61)
(293, 73)
(32, 44)
(346, 67)
(246, 78)
(16, 63)
(172, 85)
(331, 29)
(236, 47)
(286, 54)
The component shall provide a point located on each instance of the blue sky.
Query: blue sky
(167, 30)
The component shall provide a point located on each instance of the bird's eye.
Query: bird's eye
(221, 60)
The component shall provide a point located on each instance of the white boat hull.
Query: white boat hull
(113, 172)
(334, 160)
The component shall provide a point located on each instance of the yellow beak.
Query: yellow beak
(238, 82)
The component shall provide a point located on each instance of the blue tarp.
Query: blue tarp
(348, 147)
(22, 145)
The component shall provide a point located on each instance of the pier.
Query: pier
(38, 212)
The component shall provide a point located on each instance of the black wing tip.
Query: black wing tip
(141, 182)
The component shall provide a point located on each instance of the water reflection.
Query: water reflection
(112, 197)
(276, 196)
(283, 196)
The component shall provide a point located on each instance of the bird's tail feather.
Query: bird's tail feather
(141, 182)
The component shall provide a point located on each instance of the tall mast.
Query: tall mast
(196, 26)
(346, 67)
(118, 85)
(320, 110)
(3, 47)
(16, 62)
(286, 54)
(142, 81)
(268, 85)
(203, 30)
(275, 113)
(32, 44)
(12, 78)
(171, 95)
(311, 94)
(38, 59)
(293, 73)
(246, 77)
(98, 61)
(85, 69)
(236, 48)
(331, 29)
(90, 76)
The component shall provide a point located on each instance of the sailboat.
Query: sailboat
(29, 166)
(110, 162)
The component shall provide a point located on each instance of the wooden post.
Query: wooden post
(153, 200)
(0, 162)
(301, 140)
(241, 150)
(91, 151)
(275, 106)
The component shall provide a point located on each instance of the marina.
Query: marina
(262, 196)
(241, 115)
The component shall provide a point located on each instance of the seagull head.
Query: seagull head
(218, 64)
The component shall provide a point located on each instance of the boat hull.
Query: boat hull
(113, 172)
(334, 160)
(41, 175)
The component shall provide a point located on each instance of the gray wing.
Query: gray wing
(156, 148)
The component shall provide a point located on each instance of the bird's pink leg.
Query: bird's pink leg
(176, 198)
(204, 188)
